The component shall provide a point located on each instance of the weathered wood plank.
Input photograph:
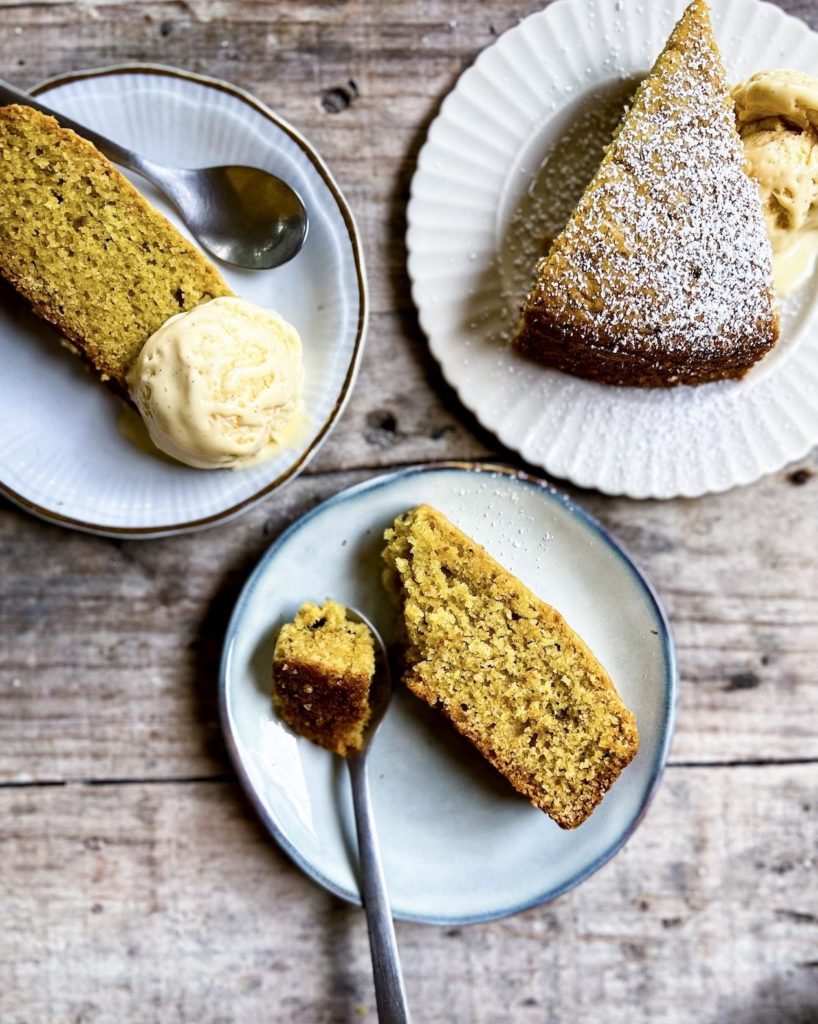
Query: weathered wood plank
(109, 664)
(168, 903)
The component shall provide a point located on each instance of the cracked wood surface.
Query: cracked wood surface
(136, 885)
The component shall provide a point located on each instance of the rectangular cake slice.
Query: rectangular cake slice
(506, 669)
(79, 242)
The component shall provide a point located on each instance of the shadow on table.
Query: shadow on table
(207, 647)
(345, 989)
(785, 1007)
(401, 295)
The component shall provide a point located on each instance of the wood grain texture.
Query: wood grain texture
(111, 662)
(167, 903)
(137, 887)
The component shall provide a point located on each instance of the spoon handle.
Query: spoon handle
(115, 152)
(389, 991)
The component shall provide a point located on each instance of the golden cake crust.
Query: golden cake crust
(322, 672)
(662, 275)
(79, 242)
(506, 669)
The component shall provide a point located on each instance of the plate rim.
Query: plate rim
(214, 519)
(630, 490)
(549, 492)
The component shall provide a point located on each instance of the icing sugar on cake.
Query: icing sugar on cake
(662, 275)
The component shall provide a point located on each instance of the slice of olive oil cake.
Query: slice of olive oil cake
(506, 669)
(79, 242)
(323, 667)
(663, 274)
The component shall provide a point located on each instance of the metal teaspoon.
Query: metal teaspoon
(242, 215)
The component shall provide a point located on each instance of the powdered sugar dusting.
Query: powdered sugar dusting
(667, 254)
(644, 442)
(566, 166)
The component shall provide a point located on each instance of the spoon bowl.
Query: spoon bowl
(242, 215)
(380, 692)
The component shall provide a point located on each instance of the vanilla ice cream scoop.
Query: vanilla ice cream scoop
(791, 96)
(220, 385)
(777, 116)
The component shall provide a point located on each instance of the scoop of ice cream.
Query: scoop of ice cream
(218, 386)
(777, 116)
(785, 163)
(789, 96)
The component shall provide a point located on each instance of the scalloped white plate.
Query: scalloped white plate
(459, 844)
(498, 172)
(62, 455)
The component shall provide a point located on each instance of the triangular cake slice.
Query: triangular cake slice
(506, 669)
(662, 275)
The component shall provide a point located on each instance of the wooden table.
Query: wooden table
(136, 885)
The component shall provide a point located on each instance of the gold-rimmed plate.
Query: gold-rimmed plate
(63, 453)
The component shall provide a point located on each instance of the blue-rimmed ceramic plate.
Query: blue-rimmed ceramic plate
(459, 845)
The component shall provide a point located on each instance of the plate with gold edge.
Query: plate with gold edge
(503, 166)
(67, 450)
(459, 844)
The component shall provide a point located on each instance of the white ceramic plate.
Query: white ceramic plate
(475, 232)
(62, 455)
(459, 845)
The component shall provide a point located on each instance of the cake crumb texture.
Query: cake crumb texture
(663, 274)
(506, 669)
(79, 242)
(323, 667)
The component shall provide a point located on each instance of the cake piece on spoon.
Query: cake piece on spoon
(323, 667)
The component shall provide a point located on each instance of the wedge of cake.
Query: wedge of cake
(85, 249)
(322, 671)
(662, 275)
(506, 669)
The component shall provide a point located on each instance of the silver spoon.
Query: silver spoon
(390, 994)
(242, 215)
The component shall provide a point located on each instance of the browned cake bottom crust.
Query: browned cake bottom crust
(569, 351)
(335, 718)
